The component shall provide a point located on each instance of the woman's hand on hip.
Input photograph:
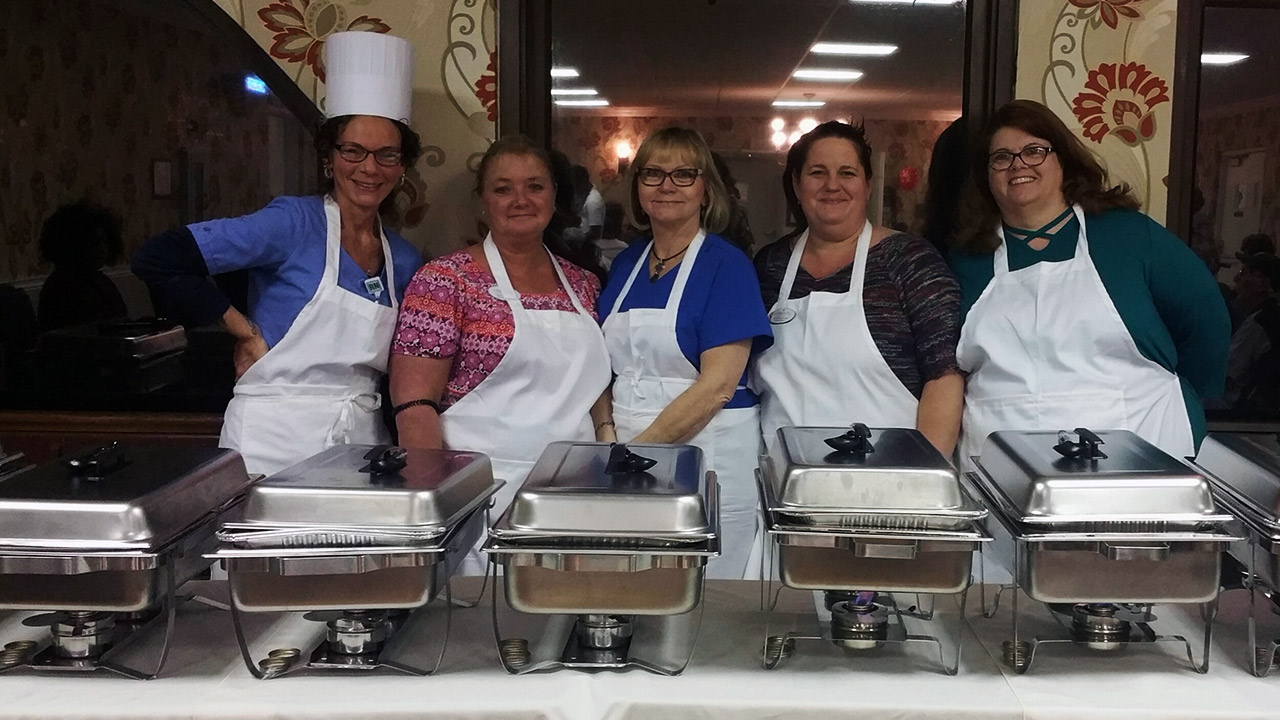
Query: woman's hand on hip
(250, 345)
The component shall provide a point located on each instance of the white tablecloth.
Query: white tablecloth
(206, 679)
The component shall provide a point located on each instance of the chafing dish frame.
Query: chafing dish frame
(342, 561)
(872, 536)
(680, 556)
(1017, 545)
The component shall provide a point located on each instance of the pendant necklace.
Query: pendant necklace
(662, 261)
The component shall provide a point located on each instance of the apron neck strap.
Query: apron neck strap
(333, 248)
(507, 291)
(682, 272)
(1001, 257)
(855, 276)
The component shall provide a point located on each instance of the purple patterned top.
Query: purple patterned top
(449, 313)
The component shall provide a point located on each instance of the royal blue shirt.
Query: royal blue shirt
(721, 302)
(283, 247)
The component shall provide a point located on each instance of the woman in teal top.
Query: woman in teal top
(1079, 311)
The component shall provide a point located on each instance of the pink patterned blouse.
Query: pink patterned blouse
(448, 313)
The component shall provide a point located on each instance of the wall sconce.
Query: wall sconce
(623, 150)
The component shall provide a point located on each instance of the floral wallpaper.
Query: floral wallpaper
(86, 114)
(1246, 129)
(1106, 68)
(590, 140)
(454, 99)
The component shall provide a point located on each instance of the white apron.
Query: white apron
(824, 367)
(651, 372)
(542, 390)
(318, 386)
(1045, 349)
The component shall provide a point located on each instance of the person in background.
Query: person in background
(591, 208)
(19, 329)
(1251, 365)
(738, 229)
(865, 319)
(326, 274)
(497, 349)
(79, 240)
(948, 171)
(611, 242)
(682, 315)
(1079, 311)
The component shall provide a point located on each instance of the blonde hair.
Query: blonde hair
(684, 143)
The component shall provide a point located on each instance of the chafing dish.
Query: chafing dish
(608, 544)
(357, 536)
(102, 539)
(862, 517)
(1244, 470)
(1101, 527)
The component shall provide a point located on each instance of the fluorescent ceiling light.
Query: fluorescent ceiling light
(909, 2)
(564, 72)
(825, 74)
(583, 103)
(873, 49)
(574, 91)
(1222, 58)
(799, 103)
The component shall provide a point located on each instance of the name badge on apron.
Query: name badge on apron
(374, 287)
(782, 316)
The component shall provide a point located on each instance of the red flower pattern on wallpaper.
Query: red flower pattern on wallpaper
(300, 27)
(487, 87)
(1119, 99)
(1108, 11)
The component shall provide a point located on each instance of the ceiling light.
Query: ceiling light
(793, 137)
(573, 91)
(601, 102)
(808, 124)
(825, 74)
(1222, 58)
(777, 124)
(831, 48)
(779, 139)
(799, 103)
(908, 2)
(564, 72)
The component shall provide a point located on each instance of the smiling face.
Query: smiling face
(1020, 190)
(833, 188)
(518, 196)
(366, 184)
(668, 205)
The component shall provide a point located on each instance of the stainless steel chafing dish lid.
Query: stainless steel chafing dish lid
(1245, 469)
(1082, 476)
(118, 497)
(571, 490)
(901, 470)
(371, 486)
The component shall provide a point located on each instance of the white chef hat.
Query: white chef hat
(368, 73)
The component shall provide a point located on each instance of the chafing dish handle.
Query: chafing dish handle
(1085, 449)
(1155, 552)
(856, 441)
(624, 462)
(884, 551)
(97, 463)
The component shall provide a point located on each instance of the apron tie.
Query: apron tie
(340, 431)
(633, 376)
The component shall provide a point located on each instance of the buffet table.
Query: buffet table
(205, 677)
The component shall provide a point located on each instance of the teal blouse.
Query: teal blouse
(1165, 295)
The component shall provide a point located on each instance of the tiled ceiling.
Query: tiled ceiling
(735, 57)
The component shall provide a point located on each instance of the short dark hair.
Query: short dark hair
(1084, 180)
(69, 235)
(798, 155)
(330, 130)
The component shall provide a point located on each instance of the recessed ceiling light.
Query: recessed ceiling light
(834, 48)
(825, 74)
(777, 124)
(1222, 58)
(798, 103)
(564, 72)
(601, 102)
(808, 124)
(574, 91)
(779, 139)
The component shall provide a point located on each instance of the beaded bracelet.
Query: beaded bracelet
(414, 403)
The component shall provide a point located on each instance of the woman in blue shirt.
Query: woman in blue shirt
(682, 315)
(325, 276)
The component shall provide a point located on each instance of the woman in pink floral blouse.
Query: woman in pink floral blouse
(497, 349)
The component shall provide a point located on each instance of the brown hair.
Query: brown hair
(1084, 180)
(686, 143)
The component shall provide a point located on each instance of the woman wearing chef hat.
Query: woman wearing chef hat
(325, 275)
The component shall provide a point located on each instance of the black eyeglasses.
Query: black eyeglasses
(354, 153)
(1031, 156)
(680, 177)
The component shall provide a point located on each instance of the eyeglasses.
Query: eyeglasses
(680, 177)
(354, 153)
(1031, 156)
